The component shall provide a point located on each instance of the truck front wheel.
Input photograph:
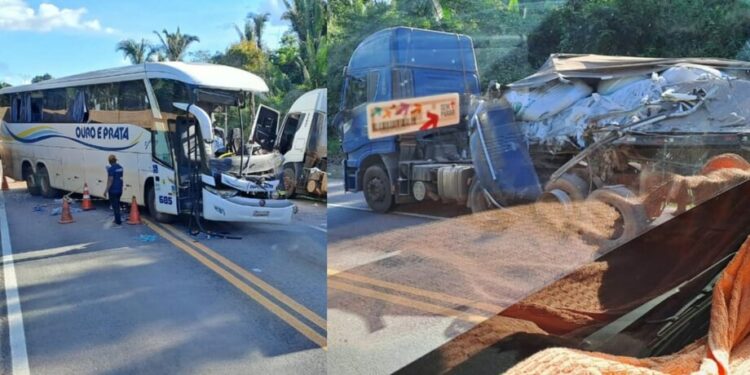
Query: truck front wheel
(377, 189)
(290, 181)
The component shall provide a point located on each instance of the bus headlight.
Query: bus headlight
(275, 194)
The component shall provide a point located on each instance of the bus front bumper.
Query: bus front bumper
(242, 209)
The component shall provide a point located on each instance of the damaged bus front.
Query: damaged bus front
(201, 182)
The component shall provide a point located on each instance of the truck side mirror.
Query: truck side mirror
(339, 119)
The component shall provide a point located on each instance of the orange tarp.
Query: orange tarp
(726, 349)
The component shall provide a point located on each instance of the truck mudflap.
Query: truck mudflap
(243, 209)
(501, 158)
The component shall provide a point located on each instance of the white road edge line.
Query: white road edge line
(17, 337)
(411, 214)
(324, 230)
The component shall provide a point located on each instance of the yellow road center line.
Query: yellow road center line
(250, 292)
(403, 301)
(294, 305)
(488, 307)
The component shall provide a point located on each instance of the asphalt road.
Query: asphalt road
(381, 318)
(98, 299)
(405, 283)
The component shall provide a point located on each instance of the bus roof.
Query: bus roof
(199, 74)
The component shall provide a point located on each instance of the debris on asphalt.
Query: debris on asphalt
(147, 237)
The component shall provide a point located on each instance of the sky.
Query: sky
(64, 37)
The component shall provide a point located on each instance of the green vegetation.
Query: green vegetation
(136, 52)
(174, 45)
(41, 78)
(678, 28)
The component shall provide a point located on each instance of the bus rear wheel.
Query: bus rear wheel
(31, 182)
(377, 189)
(45, 189)
(151, 205)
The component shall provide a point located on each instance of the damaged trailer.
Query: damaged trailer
(648, 136)
(641, 134)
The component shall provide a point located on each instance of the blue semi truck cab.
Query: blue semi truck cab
(442, 164)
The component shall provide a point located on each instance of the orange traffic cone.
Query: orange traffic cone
(5, 184)
(135, 216)
(86, 205)
(66, 217)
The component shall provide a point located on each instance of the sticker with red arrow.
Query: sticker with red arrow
(404, 116)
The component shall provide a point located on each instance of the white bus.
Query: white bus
(155, 118)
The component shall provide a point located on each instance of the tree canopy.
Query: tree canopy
(136, 52)
(174, 45)
(40, 78)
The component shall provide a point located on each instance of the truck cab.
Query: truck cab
(296, 145)
(400, 63)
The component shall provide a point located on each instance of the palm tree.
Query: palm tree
(138, 53)
(259, 23)
(308, 20)
(174, 45)
(245, 34)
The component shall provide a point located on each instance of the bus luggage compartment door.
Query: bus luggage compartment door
(165, 190)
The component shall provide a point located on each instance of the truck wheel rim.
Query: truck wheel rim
(375, 189)
(288, 183)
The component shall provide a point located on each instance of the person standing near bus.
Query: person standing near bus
(114, 186)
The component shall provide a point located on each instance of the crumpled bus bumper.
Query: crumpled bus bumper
(242, 209)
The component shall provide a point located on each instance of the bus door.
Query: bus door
(189, 157)
(165, 190)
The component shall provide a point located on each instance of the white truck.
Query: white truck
(295, 146)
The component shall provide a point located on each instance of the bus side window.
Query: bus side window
(161, 149)
(102, 103)
(133, 104)
(37, 106)
(167, 92)
(55, 106)
(77, 111)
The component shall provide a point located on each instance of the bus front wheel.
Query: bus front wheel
(377, 189)
(156, 215)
